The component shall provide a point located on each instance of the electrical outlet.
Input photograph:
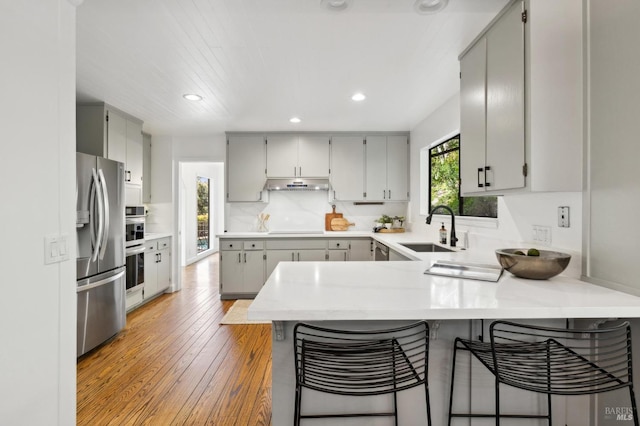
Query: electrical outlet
(563, 216)
(542, 234)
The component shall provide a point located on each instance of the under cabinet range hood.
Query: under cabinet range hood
(297, 184)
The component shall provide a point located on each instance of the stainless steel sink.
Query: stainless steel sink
(425, 247)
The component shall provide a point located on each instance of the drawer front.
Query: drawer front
(297, 244)
(253, 245)
(151, 245)
(338, 244)
(230, 245)
(164, 243)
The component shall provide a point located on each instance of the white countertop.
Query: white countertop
(308, 291)
(390, 239)
(157, 235)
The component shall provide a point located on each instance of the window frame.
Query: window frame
(430, 155)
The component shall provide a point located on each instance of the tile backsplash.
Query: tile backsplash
(304, 211)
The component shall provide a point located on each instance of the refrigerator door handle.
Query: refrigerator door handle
(96, 237)
(101, 282)
(105, 218)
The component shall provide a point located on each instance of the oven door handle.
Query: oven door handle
(134, 250)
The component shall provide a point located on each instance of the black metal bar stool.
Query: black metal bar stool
(552, 361)
(361, 363)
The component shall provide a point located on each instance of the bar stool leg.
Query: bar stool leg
(453, 372)
(426, 393)
(634, 408)
(497, 402)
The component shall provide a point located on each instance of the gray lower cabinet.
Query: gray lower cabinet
(361, 249)
(241, 268)
(338, 250)
(294, 250)
(157, 272)
(245, 265)
(157, 267)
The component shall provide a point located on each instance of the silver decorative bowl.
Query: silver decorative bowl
(547, 265)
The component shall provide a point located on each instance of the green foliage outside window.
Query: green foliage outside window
(202, 197)
(445, 183)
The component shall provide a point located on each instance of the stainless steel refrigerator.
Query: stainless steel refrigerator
(100, 232)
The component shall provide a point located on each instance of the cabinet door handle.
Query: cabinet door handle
(480, 170)
(298, 256)
(239, 258)
(486, 169)
(300, 169)
(159, 257)
(245, 258)
(389, 194)
(384, 194)
(128, 175)
(295, 171)
(345, 256)
(292, 256)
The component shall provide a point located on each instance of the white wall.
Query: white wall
(516, 213)
(37, 181)
(167, 153)
(304, 211)
(188, 199)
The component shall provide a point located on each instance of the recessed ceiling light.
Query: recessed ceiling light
(295, 120)
(427, 7)
(192, 97)
(358, 97)
(335, 5)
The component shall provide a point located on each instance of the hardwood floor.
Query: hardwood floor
(174, 364)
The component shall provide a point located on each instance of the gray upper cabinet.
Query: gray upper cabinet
(347, 168)
(290, 155)
(146, 168)
(521, 92)
(105, 131)
(492, 102)
(387, 168)
(246, 166)
(359, 167)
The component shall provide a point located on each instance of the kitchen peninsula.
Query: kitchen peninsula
(374, 294)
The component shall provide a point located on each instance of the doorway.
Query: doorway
(201, 209)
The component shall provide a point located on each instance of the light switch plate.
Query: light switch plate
(563, 216)
(56, 248)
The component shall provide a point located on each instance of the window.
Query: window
(203, 214)
(444, 183)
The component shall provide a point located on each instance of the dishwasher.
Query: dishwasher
(381, 252)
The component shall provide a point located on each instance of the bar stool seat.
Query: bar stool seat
(551, 361)
(360, 363)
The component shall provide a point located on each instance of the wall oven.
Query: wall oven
(134, 247)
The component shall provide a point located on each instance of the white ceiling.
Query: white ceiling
(257, 63)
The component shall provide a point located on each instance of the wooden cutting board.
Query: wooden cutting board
(340, 224)
(329, 216)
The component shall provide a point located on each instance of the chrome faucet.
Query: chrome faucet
(452, 237)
